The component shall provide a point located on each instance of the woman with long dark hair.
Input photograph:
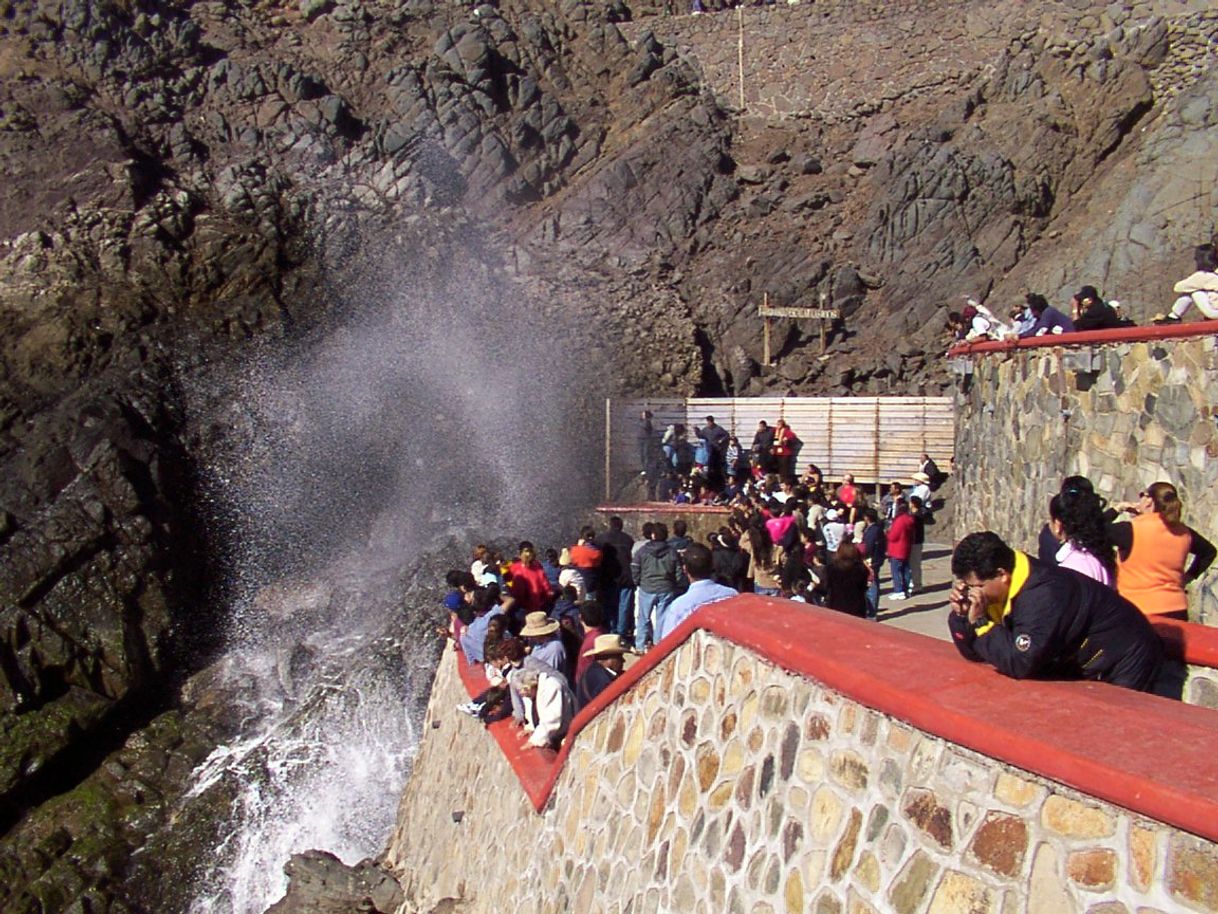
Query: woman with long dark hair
(765, 560)
(1153, 550)
(846, 579)
(1076, 520)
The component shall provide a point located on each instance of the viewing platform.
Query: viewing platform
(843, 758)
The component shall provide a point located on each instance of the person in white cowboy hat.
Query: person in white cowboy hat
(608, 659)
(921, 487)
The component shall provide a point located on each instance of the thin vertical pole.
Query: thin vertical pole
(765, 336)
(740, 51)
(824, 342)
(608, 448)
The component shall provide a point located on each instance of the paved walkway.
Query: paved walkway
(926, 612)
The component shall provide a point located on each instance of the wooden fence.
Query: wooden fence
(875, 438)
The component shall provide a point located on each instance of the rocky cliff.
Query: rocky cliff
(188, 181)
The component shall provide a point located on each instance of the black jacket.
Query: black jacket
(1063, 625)
(616, 546)
(594, 681)
(1100, 316)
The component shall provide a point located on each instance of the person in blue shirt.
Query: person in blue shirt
(699, 567)
(486, 605)
(1048, 318)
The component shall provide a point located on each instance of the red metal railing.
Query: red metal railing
(1089, 338)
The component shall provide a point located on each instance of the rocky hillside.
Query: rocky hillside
(187, 180)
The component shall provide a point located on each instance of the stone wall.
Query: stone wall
(722, 783)
(1150, 412)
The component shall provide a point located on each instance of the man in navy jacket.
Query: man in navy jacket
(1031, 620)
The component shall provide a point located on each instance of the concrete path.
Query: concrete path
(926, 612)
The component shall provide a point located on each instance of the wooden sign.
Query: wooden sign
(824, 314)
(768, 313)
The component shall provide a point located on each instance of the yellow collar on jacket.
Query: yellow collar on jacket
(997, 612)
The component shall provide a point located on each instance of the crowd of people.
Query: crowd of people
(553, 631)
(1088, 310)
(710, 466)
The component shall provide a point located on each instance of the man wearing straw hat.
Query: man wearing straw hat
(607, 663)
(540, 632)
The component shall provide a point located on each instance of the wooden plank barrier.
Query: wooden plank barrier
(877, 439)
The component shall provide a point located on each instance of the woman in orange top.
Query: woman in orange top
(1152, 551)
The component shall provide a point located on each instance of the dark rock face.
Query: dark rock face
(320, 883)
(184, 182)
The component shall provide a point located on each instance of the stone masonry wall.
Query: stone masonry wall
(722, 783)
(803, 59)
(1150, 413)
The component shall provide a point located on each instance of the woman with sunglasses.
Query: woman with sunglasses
(1152, 553)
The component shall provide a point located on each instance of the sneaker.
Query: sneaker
(896, 596)
(1161, 319)
(472, 708)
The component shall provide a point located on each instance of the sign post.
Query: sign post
(821, 314)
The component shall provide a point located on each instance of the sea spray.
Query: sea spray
(345, 463)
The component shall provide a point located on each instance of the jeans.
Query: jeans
(625, 610)
(873, 595)
(647, 603)
(901, 581)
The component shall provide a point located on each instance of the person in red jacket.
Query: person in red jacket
(529, 584)
(900, 545)
(786, 446)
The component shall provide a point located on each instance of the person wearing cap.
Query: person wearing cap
(1090, 312)
(1048, 318)
(699, 567)
(606, 659)
(833, 529)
